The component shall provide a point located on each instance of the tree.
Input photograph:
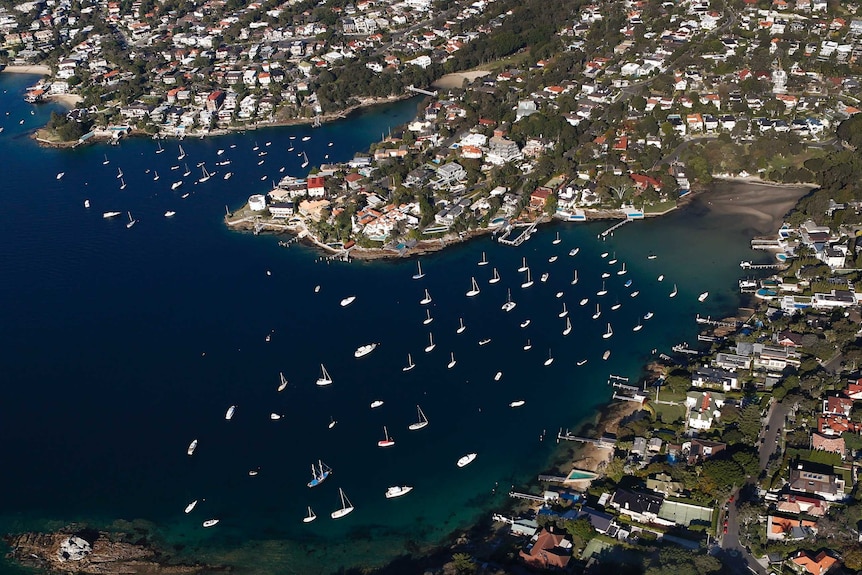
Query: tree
(581, 530)
(463, 563)
(551, 205)
(749, 423)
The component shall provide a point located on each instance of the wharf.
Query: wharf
(527, 496)
(522, 237)
(553, 479)
(610, 230)
(746, 265)
(602, 442)
(709, 321)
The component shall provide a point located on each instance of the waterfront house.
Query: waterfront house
(547, 550)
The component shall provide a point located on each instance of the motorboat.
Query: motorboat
(229, 413)
(254, 472)
(616, 306)
(544, 277)
(466, 460)
(581, 362)
(386, 441)
(605, 275)
(634, 293)
(652, 257)
(348, 300)
(376, 403)
(584, 301)
(363, 350)
(192, 446)
(517, 403)
(559, 295)
(86, 203)
(306, 138)
(661, 278)
(170, 214)
(398, 491)
(324, 378)
(498, 376)
(421, 422)
(525, 323)
(638, 327)
(176, 185)
(702, 297)
(574, 251)
(346, 506)
(60, 175)
(606, 355)
(628, 283)
(191, 506)
(210, 522)
(648, 315)
(107, 215)
(552, 259)
(275, 416)
(604, 255)
(485, 341)
(332, 423)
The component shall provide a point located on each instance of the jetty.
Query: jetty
(746, 265)
(553, 479)
(715, 323)
(415, 90)
(764, 244)
(614, 227)
(601, 442)
(683, 348)
(527, 496)
(521, 238)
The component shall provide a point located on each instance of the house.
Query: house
(539, 196)
(816, 479)
(818, 564)
(638, 505)
(282, 209)
(547, 550)
(700, 449)
(827, 443)
(713, 377)
(704, 407)
(502, 150)
(353, 181)
(837, 405)
(780, 528)
(314, 185)
(449, 174)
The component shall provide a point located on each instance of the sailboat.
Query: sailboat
(528, 346)
(608, 333)
(107, 161)
(598, 313)
(282, 381)
(182, 153)
(557, 239)
(495, 278)
(474, 291)
(156, 176)
(613, 259)
(206, 175)
(304, 161)
(673, 293)
(568, 329)
(188, 172)
(451, 360)
(131, 221)
(523, 267)
(386, 441)
(119, 173)
(319, 474)
(427, 299)
(422, 422)
(122, 184)
(509, 305)
(616, 306)
(310, 517)
(602, 291)
(430, 347)
(410, 365)
(346, 506)
(529, 281)
(418, 275)
(160, 149)
(550, 359)
(324, 378)
(461, 326)
(622, 271)
(575, 279)
(639, 326)
(565, 312)
(484, 260)
(428, 319)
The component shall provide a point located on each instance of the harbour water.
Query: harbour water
(120, 346)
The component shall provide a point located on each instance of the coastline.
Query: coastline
(29, 69)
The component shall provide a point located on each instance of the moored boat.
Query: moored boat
(466, 460)
(191, 506)
(363, 350)
(517, 403)
(229, 413)
(192, 446)
(387, 441)
(421, 422)
(319, 474)
(346, 506)
(324, 378)
(398, 491)
(210, 522)
(348, 300)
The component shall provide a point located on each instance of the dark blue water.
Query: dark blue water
(119, 346)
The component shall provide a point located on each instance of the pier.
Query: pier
(552, 479)
(412, 88)
(527, 496)
(765, 244)
(746, 265)
(637, 398)
(605, 443)
(683, 348)
(611, 229)
(522, 237)
(708, 321)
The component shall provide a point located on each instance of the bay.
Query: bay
(121, 345)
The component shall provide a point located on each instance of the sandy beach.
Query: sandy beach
(456, 80)
(68, 100)
(32, 69)
(766, 202)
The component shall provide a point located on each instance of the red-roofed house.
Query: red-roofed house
(815, 565)
(314, 184)
(835, 405)
(548, 551)
(827, 443)
(854, 390)
(539, 197)
(642, 182)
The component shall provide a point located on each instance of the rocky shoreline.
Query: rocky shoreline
(77, 549)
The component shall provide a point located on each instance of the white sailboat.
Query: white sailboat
(427, 299)
(550, 359)
(509, 305)
(107, 161)
(557, 239)
(529, 280)
(410, 365)
(156, 176)
(495, 278)
(422, 421)
(602, 291)
(622, 271)
(159, 149)
(304, 161)
(608, 333)
(182, 153)
(575, 279)
(674, 292)
(474, 291)
(461, 326)
(528, 346)
(188, 172)
(565, 312)
(346, 506)
(119, 173)
(122, 184)
(598, 313)
(568, 329)
(639, 326)
(523, 267)
(324, 378)
(387, 441)
(484, 260)
(613, 259)
(310, 517)
(418, 275)
(206, 175)
(428, 319)
(131, 221)
(430, 347)
(452, 362)
(282, 381)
